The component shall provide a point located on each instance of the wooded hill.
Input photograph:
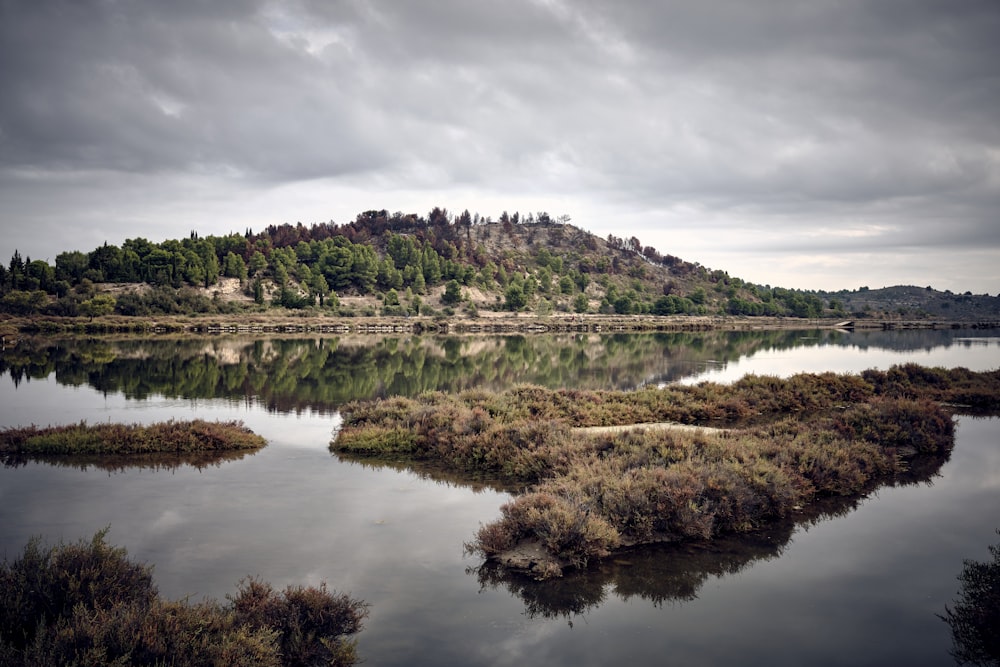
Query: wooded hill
(441, 264)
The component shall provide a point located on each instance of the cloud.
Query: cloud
(846, 125)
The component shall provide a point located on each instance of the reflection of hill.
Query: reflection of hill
(920, 339)
(323, 373)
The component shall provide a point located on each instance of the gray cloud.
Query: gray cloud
(756, 115)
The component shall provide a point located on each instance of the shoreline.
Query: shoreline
(13, 328)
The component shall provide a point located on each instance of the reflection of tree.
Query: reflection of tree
(120, 463)
(975, 618)
(292, 374)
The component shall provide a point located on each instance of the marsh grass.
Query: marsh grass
(791, 442)
(87, 604)
(118, 439)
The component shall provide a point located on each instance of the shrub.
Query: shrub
(975, 617)
(87, 604)
(795, 439)
(172, 436)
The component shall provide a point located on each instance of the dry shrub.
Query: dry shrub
(172, 436)
(87, 604)
(892, 422)
(310, 622)
(566, 530)
(808, 435)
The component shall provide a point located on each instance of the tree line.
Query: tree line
(398, 257)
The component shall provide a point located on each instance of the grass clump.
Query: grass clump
(789, 442)
(171, 436)
(87, 604)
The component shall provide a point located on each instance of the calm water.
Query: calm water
(860, 584)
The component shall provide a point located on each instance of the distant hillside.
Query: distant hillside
(910, 302)
(441, 264)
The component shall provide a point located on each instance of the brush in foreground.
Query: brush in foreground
(172, 436)
(87, 604)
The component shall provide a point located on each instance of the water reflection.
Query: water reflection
(158, 461)
(861, 590)
(294, 374)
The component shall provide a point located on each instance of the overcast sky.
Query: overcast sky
(820, 144)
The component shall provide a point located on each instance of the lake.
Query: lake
(859, 582)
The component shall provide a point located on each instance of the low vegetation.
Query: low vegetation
(173, 436)
(787, 442)
(975, 616)
(88, 604)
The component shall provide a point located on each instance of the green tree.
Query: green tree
(257, 262)
(452, 293)
(431, 265)
(581, 304)
(280, 274)
(205, 250)
(21, 302)
(40, 275)
(364, 267)
(234, 267)
(98, 306)
(515, 299)
(319, 287)
(419, 285)
(70, 266)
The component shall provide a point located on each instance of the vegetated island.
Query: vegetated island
(778, 445)
(113, 439)
(88, 604)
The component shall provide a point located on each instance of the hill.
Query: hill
(438, 265)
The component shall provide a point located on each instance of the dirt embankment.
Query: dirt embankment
(12, 328)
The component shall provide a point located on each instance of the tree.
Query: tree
(418, 283)
(257, 262)
(70, 266)
(234, 267)
(515, 299)
(21, 302)
(452, 293)
(205, 250)
(364, 267)
(544, 308)
(319, 287)
(97, 306)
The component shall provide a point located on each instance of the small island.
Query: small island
(600, 471)
(171, 436)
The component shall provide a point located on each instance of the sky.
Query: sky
(815, 144)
